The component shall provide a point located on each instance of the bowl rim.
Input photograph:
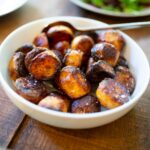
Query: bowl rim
(35, 107)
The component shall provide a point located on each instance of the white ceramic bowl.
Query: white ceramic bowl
(134, 54)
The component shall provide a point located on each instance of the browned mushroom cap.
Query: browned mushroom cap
(122, 62)
(30, 88)
(25, 48)
(105, 51)
(99, 70)
(41, 40)
(73, 82)
(113, 37)
(59, 33)
(58, 23)
(55, 102)
(62, 46)
(44, 65)
(73, 58)
(16, 66)
(125, 77)
(32, 54)
(111, 93)
(83, 43)
(86, 104)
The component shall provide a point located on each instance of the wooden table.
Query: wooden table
(18, 131)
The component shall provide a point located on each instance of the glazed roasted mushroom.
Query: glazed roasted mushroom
(62, 23)
(41, 40)
(99, 70)
(30, 88)
(86, 104)
(111, 93)
(62, 47)
(73, 58)
(25, 48)
(125, 77)
(55, 102)
(59, 33)
(113, 37)
(17, 67)
(122, 62)
(83, 43)
(105, 51)
(30, 55)
(44, 65)
(73, 82)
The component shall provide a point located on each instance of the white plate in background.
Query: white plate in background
(95, 9)
(7, 6)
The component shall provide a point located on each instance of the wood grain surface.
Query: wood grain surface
(17, 131)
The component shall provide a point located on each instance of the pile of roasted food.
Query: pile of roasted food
(67, 71)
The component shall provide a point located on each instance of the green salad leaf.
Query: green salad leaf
(98, 3)
(128, 6)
